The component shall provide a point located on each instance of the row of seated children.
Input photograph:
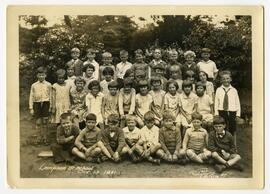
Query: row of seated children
(150, 143)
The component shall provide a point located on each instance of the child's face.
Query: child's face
(205, 56)
(107, 60)
(156, 85)
(70, 72)
(157, 54)
(149, 123)
(131, 125)
(187, 90)
(112, 126)
(139, 77)
(79, 85)
(175, 75)
(139, 58)
(41, 77)
(196, 123)
(108, 77)
(91, 56)
(113, 91)
(95, 90)
(219, 128)
(127, 89)
(75, 55)
(143, 90)
(200, 91)
(173, 57)
(89, 72)
(226, 80)
(66, 123)
(168, 123)
(202, 77)
(124, 58)
(90, 124)
(172, 89)
(159, 72)
(61, 79)
(189, 59)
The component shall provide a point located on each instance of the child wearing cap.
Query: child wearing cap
(176, 75)
(158, 99)
(77, 99)
(88, 144)
(132, 137)
(170, 139)
(108, 73)
(76, 62)
(91, 54)
(190, 64)
(126, 100)
(207, 65)
(113, 138)
(65, 137)
(60, 96)
(110, 102)
(195, 142)
(40, 103)
(88, 70)
(143, 102)
(107, 62)
(93, 101)
(123, 66)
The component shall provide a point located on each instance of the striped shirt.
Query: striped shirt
(170, 139)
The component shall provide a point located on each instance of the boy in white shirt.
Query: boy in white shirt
(123, 66)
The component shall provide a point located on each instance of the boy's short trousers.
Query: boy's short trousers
(41, 109)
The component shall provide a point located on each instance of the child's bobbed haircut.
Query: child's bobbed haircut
(60, 73)
(93, 84)
(79, 79)
(143, 83)
(217, 120)
(88, 66)
(168, 115)
(108, 71)
(41, 70)
(171, 82)
(106, 55)
(187, 84)
(65, 116)
(189, 53)
(129, 72)
(123, 52)
(206, 50)
(75, 50)
(149, 116)
(196, 116)
(113, 118)
(200, 84)
(113, 84)
(91, 117)
(204, 74)
(155, 79)
(128, 82)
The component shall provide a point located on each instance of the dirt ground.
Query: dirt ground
(34, 167)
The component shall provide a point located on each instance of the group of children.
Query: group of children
(156, 111)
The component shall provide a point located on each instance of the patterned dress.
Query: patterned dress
(78, 107)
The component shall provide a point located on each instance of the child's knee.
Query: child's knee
(125, 150)
(215, 155)
(97, 150)
(181, 153)
(207, 153)
(190, 152)
(74, 150)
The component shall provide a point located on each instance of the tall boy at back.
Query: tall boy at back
(77, 63)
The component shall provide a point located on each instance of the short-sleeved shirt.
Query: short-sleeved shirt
(150, 135)
(133, 136)
(173, 102)
(204, 104)
(208, 67)
(188, 102)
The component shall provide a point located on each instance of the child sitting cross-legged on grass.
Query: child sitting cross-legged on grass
(221, 144)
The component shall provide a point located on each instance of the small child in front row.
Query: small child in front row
(88, 144)
(195, 142)
(150, 138)
(126, 100)
(158, 99)
(133, 139)
(40, 103)
(222, 146)
(108, 73)
(113, 138)
(143, 102)
(110, 102)
(170, 140)
(227, 103)
(66, 135)
(93, 101)
(205, 106)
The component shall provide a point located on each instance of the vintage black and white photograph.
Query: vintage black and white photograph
(135, 95)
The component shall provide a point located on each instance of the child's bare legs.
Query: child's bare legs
(204, 155)
(78, 153)
(230, 161)
(193, 156)
(39, 127)
(162, 155)
(104, 149)
(44, 129)
(76, 121)
(130, 152)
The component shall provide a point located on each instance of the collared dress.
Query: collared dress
(93, 104)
